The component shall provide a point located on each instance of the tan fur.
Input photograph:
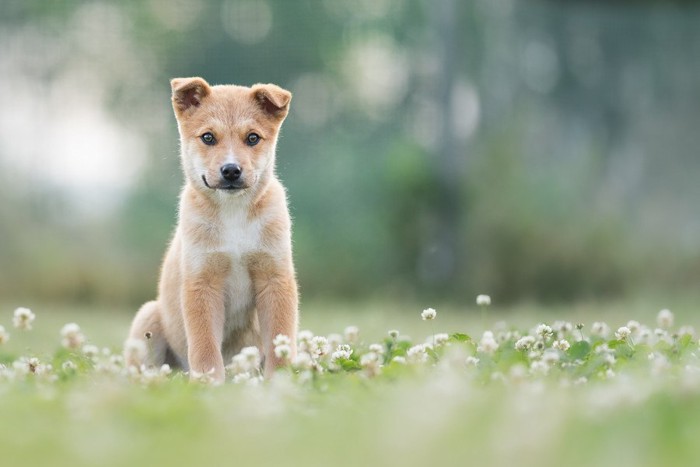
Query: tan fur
(228, 278)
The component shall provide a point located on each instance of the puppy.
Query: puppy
(227, 280)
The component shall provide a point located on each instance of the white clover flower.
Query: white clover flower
(543, 330)
(394, 334)
(320, 346)
(302, 361)
(23, 318)
(664, 319)
(165, 370)
(524, 343)
(352, 334)
(417, 354)
(377, 349)
(562, 327)
(428, 314)
(252, 356)
(281, 339)
(441, 338)
(72, 336)
(4, 335)
(561, 344)
(600, 329)
(483, 300)
(622, 333)
(399, 359)
(305, 335)
(203, 378)
(68, 366)
(472, 361)
(283, 351)
(239, 364)
(687, 330)
(634, 326)
(343, 351)
(91, 351)
(488, 343)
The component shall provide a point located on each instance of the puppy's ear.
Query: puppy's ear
(188, 93)
(272, 99)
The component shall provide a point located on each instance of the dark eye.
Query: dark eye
(252, 139)
(208, 139)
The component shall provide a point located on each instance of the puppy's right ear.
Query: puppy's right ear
(188, 93)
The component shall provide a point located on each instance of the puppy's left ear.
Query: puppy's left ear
(272, 99)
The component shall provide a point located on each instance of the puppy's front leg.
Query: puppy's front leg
(203, 309)
(276, 301)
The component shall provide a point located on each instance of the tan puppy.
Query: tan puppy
(227, 279)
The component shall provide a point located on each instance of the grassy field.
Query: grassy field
(601, 399)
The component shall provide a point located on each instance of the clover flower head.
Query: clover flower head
(428, 314)
(399, 359)
(72, 336)
(664, 319)
(561, 344)
(441, 338)
(600, 329)
(524, 343)
(543, 330)
(92, 351)
(283, 351)
(488, 343)
(302, 361)
(68, 366)
(472, 361)
(417, 354)
(342, 352)
(483, 300)
(281, 339)
(622, 333)
(23, 318)
(394, 334)
(4, 335)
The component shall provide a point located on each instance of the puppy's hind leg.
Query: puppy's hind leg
(146, 344)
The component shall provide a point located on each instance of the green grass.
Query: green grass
(441, 412)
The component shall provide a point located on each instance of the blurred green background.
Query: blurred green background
(533, 150)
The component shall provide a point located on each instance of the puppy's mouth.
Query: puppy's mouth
(225, 187)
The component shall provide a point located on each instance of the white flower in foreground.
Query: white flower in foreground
(4, 335)
(664, 319)
(23, 318)
(72, 337)
(342, 352)
(428, 314)
(561, 344)
(600, 329)
(377, 348)
(417, 354)
(319, 346)
(483, 300)
(524, 343)
(371, 363)
(472, 361)
(302, 361)
(283, 351)
(543, 330)
(634, 326)
(281, 339)
(441, 338)
(488, 343)
(622, 333)
(91, 351)
(399, 359)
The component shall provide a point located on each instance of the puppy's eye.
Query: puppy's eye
(208, 139)
(252, 139)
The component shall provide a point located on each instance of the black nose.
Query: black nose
(231, 172)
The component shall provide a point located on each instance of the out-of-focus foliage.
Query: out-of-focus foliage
(541, 150)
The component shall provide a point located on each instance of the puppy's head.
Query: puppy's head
(228, 133)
